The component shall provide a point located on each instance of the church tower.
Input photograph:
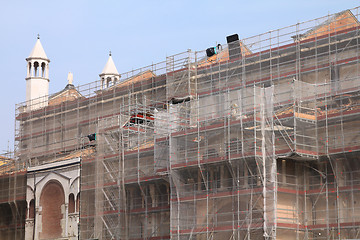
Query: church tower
(37, 78)
(109, 75)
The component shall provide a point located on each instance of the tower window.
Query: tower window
(108, 82)
(43, 69)
(29, 70)
(36, 68)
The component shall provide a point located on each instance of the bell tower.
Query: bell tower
(37, 78)
(109, 75)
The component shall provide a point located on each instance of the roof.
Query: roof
(147, 74)
(69, 93)
(339, 21)
(74, 154)
(4, 160)
(7, 165)
(131, 80)
(38, 51)
(110, 67)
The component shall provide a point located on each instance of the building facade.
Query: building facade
(255, 139)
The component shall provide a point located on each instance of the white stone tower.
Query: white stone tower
(109, 75)
(37, 78)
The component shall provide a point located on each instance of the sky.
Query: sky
(77, 36)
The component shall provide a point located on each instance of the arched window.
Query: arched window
(108, 82)
(78, 202)
(103, 83)
(32, 208)
(43, 69)
(29, 70)
(71, 203)
(147, 198)
(36, 69)
(136, 199)
(164, 196)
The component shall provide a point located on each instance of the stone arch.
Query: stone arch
(29, 193)
(74, 185)
(52, 200)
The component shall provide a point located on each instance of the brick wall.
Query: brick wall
(51, 200)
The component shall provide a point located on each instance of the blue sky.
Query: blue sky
(77, 35)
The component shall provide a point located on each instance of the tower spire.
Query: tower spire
(38, 51)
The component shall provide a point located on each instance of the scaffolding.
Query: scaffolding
(262, 144)
(12, 197)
